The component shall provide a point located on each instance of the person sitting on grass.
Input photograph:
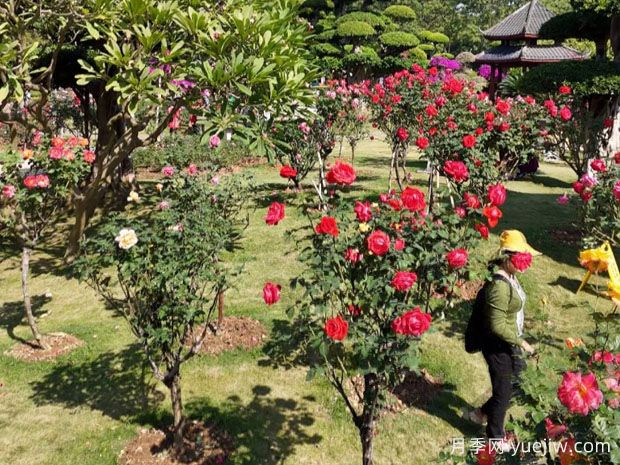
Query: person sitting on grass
(501, 331)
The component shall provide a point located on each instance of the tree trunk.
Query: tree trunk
(220, 308)
(614, 35)
(352, 152)
(177, 411)
(367, 427)
(27, 302)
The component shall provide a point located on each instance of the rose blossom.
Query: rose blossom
(163, 205)
(413, 199)
(275, 213)
(8, 191)
(327, 225)
(214, 141)
(598, 165)
(56, 153)
(133, 197)
(192, 169)
(167, 171)
(399, 244)
(482, 230)
(579, 393)
(566, 114)
(469, 141)
(336, 328)
(288, 172)
(521, 260)
(340, 173)
(126, 238)
(492, 214)
(563, 199)
(403, 280)
(353, 255)
(378, 243)
(362, 211)
(57, 141)
(553, 430)
(496, 194)
(402, 134)
(271, 293)
(422, 142)
(89, 156)
(617, 158)
(565, 89)
(43, 181)
(456, 170)
(457, 258)
(412, 323)
(616, 190)
(471, 200)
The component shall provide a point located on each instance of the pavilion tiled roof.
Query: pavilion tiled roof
(528, 54)
(525, 23)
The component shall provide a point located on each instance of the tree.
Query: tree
(141, 61)
(160, 267)
(36, 187)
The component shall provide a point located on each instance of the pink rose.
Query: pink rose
(362, 211)
(275, 213)
(167, 171)
(8, 191)
(214, 141)
(579, 393)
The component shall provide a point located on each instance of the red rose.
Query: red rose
(275, 213)
(431, 111)
(288, 172)
(327, 225)
(617, 158)
(566, 114)
(399, 245)
(479, 131)
(402, 134)
(608, 123)
(493, 214)
(412, 323)
(578, 187)
(456, 170)
(496, 194)
(43, 181)
(30, 182)
(503, 127)
(422, 142)
(486, 455)
(457, 258)
(355, 311)
(271, 293)
(378, 243)
(482, 230)
(403, 280)
(413, 199)
(396, 204)
(341, 173)
(89, 156)
(598, 165)
(565, 90)
(336, 328)
(521, 260)
(353, 255)
(586, 196)
(471, 200)
(362, 210)
(469, 141)
(502, 106)
(489, 116)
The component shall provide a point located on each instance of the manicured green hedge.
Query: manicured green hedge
(435, 37)
(586, 78)
(417, 53)
(401, 12)
(399, 39)
(365, 57)
(366, 17)
(355, 29)
(326, 49)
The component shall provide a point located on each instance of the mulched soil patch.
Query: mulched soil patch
(567, 236)
(233, 333)
(415, 391)
(59, 344)
(470, 289)
(204, 445)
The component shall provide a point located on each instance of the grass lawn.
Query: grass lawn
(83, 407)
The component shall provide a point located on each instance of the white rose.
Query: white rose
(126, 238)
(133, 197)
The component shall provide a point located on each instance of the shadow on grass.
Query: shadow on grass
(265, 430)
(548, 181)
(12, 314)
(449, 406)
(118, 384)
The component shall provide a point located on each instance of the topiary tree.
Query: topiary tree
(398, 40)
(160, 267)
(132, 59)
(400, 13)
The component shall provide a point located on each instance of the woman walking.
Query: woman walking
(501, 334)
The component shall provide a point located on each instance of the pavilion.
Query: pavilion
(519, 34)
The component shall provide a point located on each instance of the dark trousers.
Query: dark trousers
(504, 367)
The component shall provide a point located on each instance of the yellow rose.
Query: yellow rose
(133, 197)
(126, 238)
(363, 227)
(159, 186)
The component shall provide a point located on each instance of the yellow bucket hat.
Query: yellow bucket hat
(514, 241)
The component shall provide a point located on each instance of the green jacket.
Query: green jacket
(502, 303)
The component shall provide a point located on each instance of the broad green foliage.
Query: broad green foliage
(399, 39)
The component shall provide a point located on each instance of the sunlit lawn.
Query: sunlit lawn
(83, 408)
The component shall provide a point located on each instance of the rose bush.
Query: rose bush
(162, 269)
(38, 182)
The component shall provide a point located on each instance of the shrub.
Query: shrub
(160, 267)
(585, 77)
(426, 47)
(366, 56)
(585, 24)
(399, 39)
(400, 12)
(326, 49)
(355, 29)
(417, 53)
(435, 37)
(466, 57)
(363, 16)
